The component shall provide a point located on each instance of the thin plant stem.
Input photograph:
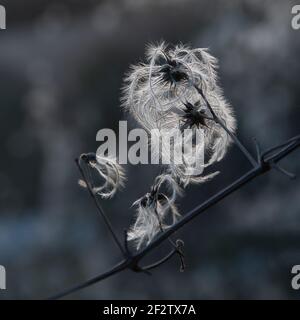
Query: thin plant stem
(118, 268)
(100, 209)
(175, 246)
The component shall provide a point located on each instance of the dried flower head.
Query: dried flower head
(165, 94)
(111, 174)
(168, 77)
(156, 211)
(195, 114)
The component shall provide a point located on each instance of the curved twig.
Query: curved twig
(161, 261)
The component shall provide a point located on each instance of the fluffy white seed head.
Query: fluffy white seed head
(156, 211)
(168, 77)
(156, 94)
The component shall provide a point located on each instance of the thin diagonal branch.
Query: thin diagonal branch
(132, 261)
(118, 268)
(100, 209)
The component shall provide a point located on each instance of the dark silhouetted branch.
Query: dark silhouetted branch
(267, 161)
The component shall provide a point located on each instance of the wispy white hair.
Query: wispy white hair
(157, 104)
(147, 96)
(216, 139)
(156, 211)
(112, 176)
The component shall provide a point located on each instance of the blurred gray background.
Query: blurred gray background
(61, 69)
